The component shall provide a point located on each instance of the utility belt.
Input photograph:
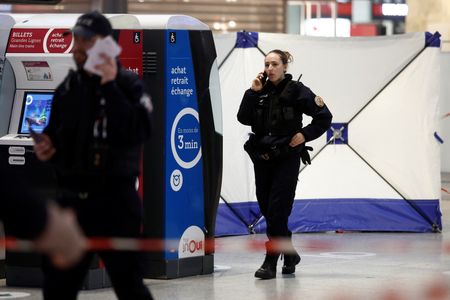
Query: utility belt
(269, 148)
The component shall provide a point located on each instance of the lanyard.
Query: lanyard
(101, 122)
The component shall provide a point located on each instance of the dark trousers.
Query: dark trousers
(122, 267)
(106, 209)
(276, 182)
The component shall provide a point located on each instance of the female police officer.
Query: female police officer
(274, 111)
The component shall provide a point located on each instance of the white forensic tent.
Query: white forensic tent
(445, 112)
(378, 167)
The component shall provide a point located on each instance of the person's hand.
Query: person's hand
(297, 139)
(108, 68)
(257, 84)
(62, 239)
(43, 147)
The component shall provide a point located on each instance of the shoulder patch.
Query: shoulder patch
(319, 101)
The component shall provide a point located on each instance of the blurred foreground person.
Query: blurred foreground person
(54, 231)
(99, 121)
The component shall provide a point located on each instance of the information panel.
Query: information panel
(183, 165)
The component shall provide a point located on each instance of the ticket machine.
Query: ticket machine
(7, 21)
(182, 169)
(182, 162)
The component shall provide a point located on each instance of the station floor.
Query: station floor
(335, 266)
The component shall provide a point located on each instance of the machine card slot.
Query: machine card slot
(16, 160)
(14, 150)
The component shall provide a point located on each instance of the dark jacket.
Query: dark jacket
(75, 108)
(278, 111)
(23, 213)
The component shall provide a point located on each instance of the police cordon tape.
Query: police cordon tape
(223, 245)
(157, 245)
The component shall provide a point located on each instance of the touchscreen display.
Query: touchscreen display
(35, 111)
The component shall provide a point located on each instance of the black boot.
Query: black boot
(268, 270)
(291, 257)
(290, 261)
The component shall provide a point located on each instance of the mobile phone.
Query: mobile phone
(264, 78)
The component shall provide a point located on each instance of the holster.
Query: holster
(269, 148)
(250, 148)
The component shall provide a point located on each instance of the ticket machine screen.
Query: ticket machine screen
(35, 111)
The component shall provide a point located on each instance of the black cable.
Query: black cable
(388, 83)
(228, 55)
(238, 215)
(373, 98)
(419, 211)
(434, 226)
(320, 150)
(262, 52)
(234, 47)
(251, 226)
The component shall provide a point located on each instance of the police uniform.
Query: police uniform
(98, 132)
(275, 115)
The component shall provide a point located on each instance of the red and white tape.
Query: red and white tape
(226, 245)
(156, 245)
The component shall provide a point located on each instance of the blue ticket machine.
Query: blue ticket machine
(182, 164)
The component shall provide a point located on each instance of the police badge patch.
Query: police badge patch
(319, 101)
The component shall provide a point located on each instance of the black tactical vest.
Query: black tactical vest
(277, 113)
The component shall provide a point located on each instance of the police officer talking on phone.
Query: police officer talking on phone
(274, 108)
(97, 128)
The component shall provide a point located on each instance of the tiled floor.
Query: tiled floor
(379, 266)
